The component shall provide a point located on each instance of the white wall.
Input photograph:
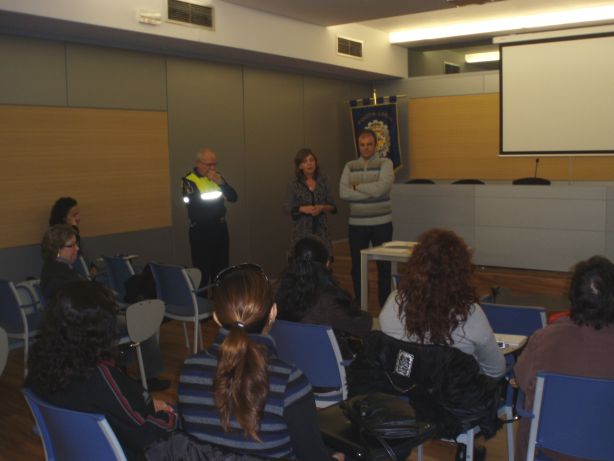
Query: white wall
(235, 27)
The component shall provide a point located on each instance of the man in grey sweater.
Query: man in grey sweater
(366, 183)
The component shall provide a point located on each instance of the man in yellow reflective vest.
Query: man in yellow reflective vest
(204, 192)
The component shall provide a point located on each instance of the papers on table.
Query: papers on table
(400, 244)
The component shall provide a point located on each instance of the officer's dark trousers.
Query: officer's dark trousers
(209, 244)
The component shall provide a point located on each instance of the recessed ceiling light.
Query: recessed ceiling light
(486, 56)
(505, 23)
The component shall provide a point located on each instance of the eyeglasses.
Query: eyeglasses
(70, 245)
(236, 268)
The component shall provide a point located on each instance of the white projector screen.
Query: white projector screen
(557, 97)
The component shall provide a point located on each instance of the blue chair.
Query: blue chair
(174, 286)
(4, 349)
(81, 266)
(574, 416)
(118, 270)
(313, 349)
(514, 320)
(20, 320)
(73, 435)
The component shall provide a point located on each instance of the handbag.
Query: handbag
(382, 416)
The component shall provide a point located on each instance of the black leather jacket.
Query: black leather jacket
(443, 383)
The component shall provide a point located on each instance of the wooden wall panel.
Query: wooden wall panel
(114, 162)
(453, 137)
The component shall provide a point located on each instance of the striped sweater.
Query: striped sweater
(287, 385)
(366, 186)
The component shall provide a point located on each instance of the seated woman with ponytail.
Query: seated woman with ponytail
(238, 393)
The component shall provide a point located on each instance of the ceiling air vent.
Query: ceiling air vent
(190, 13)
(349, 47)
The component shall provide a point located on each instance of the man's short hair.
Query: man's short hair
(368, 132)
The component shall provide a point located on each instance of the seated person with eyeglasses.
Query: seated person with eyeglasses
(60, 251)
(238, 393)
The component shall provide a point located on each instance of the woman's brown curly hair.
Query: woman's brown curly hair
(436, 290)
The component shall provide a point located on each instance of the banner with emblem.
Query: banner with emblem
(379, 116)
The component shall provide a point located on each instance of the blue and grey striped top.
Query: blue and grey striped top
(287, 384)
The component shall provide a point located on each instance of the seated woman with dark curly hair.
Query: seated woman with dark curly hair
(72, 365)
(436, 302)
(307, 292)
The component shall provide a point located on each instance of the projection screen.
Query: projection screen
(557, 97)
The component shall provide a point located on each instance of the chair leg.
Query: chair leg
(139, 356)
(510, 434)
(26, 343)
(196, 328)
(201, 336)
(420, 449)
(185, 335)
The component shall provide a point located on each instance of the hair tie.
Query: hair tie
(239, 325)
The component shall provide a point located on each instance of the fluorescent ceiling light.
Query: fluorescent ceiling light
(506, 23)
(487, 56)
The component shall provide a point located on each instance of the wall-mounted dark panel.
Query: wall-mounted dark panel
(106, 77)
(328, 132)
(32, 71)
(274, 131)
(206, 110)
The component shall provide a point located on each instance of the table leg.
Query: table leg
(393, 272)
(364, 282)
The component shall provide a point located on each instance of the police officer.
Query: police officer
(204, 192)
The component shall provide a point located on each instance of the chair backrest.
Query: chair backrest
(174, 287)
(11, 316)
(573, 415)
(4, 349)
(531, 181)
(119, 269)
(195, 275)
(468, 181)
(72, 435)
(28, 293)
(514, 320)
(420, 181)
(144, 318)
(312, 348)
(81, 266)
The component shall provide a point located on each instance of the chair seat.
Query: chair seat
(205, 310)
(35, 322)
(339, 434)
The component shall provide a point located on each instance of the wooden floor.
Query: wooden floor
(18, 442)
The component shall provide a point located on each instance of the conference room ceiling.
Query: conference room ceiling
(395, 15)
(335, 12)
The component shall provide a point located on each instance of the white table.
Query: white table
(394, 252)
(511, 343)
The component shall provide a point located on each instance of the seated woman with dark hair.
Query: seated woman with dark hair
(60, 248)
(436, 302)
(72, 365)
(307, 292)
(238, 393)
(580, 345)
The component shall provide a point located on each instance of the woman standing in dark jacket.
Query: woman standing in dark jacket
(308, 199)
